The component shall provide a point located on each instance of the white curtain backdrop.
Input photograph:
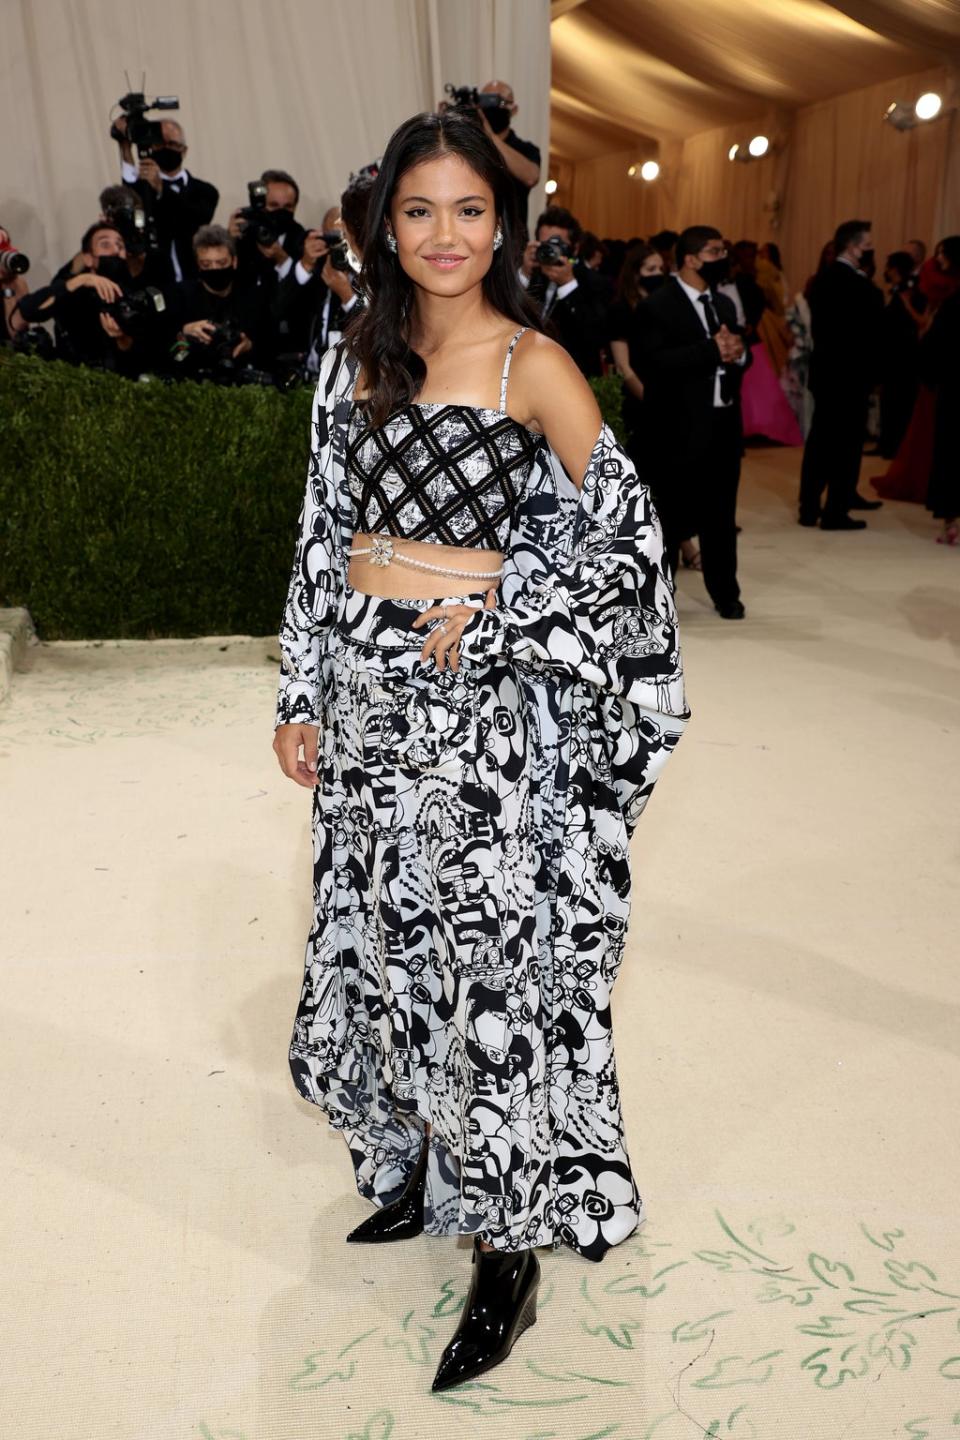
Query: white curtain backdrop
(314, 87)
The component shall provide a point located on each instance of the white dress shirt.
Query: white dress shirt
(553, 292)
(312, 361)
(694, 297)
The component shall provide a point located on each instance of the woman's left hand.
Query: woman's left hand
(442, 644)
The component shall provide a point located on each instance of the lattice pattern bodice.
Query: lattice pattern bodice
(452, 474)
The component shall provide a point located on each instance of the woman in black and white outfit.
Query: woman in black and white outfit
(481, 682)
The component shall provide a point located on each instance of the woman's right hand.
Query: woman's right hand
(287, 741)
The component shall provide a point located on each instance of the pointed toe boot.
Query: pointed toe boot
(500, 1305)
(403, 1217)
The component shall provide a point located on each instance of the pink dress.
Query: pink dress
(766, 410)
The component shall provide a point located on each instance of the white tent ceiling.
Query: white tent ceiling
(624, 70)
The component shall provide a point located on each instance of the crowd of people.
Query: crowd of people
(709, 345)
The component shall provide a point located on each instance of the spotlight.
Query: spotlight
(928, 106)
(550, 187)
(758, 146)
(733, 153)
(649, 170)
(631, 171)
(901, 117)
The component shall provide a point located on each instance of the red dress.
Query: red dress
(908, 477)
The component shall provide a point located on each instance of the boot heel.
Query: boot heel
(528, 1316)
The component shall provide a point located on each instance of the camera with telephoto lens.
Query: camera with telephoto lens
(136, 225)
(214, 360)
(144, 133)
(135, 309)
(12, 260)
(553, 251)
(336, 244)
(264, 226)
(469, 99)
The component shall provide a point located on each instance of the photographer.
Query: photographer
(101, 318)
(269, 239)
(13, 268)
(571, 296)
(177, 201)
(521, 157)
(317, 297)
(147, 262)
(222, 327)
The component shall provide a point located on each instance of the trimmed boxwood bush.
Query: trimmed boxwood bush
(150, 509)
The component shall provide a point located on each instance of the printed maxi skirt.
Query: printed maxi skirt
(443, 980)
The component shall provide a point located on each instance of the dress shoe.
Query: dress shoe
(501, 1303)
(403, 1217)
(842, 522)
(732, 611)
(860, 502)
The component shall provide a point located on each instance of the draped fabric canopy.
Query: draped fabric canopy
(314, 87)
(627, 69)
(683, 81)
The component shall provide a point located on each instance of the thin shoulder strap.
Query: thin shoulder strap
(506, 368)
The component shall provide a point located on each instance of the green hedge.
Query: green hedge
(148, 510)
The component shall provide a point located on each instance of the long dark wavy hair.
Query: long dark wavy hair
(379, 335)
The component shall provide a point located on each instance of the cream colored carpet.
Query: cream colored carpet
(787, 1028)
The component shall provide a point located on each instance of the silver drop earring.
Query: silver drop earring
(391, 242)
(497, 238)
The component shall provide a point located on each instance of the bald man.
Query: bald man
(179, 202)
(521, 157)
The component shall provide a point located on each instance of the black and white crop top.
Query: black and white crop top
(447, 473)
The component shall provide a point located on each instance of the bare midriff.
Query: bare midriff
(397, 581)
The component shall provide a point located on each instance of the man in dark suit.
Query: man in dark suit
(315, 299)
(846, 314)
(692, 356)
(177, 200)
(571, 296)
(269, 246)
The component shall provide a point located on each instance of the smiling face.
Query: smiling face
(443, 216)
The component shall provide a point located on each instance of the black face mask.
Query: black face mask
(113, 267)
(499, 117)
(866, 259)
(652, 282)
(218, 280)
(167, 159)
(715, 271)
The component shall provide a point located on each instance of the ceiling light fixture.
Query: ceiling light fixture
(928, 106)
(759, 146)
(906, 117)
(649, 170)
(551, 187)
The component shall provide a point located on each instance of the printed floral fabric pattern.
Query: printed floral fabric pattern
(471, 869)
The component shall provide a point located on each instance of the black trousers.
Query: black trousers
(700, 498)
(831, 456)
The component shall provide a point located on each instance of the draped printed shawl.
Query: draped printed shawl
(585, 597)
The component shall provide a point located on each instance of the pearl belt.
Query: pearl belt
(382, 552)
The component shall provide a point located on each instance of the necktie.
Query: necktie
(713, 325)
(550, 299)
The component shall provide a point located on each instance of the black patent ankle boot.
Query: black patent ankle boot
(500, 1305)
(403, 1217)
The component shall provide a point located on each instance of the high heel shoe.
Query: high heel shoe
(500, 1305)
(403, 1217)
